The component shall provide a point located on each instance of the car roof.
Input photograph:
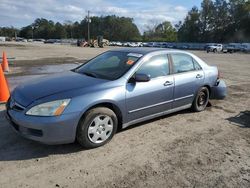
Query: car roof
(141, 50)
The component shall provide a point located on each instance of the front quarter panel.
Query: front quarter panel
(82, 103)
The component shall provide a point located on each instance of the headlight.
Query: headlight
(53, 108)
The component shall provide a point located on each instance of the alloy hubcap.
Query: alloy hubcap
(100, 129)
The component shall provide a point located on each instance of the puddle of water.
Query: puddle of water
(49, 69)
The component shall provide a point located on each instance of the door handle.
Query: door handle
(199, 76)
(168, 83)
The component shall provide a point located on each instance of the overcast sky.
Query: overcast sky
(19, 13)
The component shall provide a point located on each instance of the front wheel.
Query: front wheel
(201, 100)
(97, 127)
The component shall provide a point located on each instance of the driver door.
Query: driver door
(152, 97)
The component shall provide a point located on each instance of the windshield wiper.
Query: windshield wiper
(91, 74)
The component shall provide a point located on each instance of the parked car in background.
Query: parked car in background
(20, 39)
(39, 40)
(114, 90)
(2, 39)
(208, 44)
(184, 46)
(50, 41)
(139, 44)
(214, 48)
(132, 44)
(164, 45)
(245, 47)
(224, 49)
(233, 47)
(150, 44)
(172, 46)
(113, 43)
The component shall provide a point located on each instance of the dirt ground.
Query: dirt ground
(185, 149)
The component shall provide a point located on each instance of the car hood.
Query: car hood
(39, 88)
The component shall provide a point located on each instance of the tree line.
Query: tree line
(111, 27)
(214, 21)
(217, 21)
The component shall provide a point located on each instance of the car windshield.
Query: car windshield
(109, 65)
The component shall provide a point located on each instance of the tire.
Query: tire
(97, 127)
(215, 50)
(201, 100)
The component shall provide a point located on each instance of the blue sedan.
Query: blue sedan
(116, 89)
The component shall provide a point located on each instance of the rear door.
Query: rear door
(188, 78)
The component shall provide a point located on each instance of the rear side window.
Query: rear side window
(184, 63)
(196, 65)
(156, 66)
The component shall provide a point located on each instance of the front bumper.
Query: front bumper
(47, 130)
(219, 91)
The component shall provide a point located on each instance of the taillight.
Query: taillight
(218, 78)
(219, 75)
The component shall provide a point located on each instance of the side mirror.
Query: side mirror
(141, 77)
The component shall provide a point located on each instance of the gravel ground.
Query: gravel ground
(185, 149)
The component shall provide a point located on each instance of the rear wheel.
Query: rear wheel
(201, 100)
(97, 127)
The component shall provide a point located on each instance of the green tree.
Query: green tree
(220, 21)
(206, 19)
(240, 20)
(59, 31)
(217, 21)
(110, 27)
(160, 32)
(190, 30)
(8, 31)
(166, 31)
(26, 32)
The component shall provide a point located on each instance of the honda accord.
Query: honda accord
(116, 89)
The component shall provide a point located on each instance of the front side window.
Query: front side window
(109, 65)
(156, 66)
(183, 63)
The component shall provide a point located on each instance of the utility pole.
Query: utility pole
(88, 28)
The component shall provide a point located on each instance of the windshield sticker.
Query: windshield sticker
(134, 55)
(130, 62)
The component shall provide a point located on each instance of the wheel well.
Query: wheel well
(112, 107)
(209, 89)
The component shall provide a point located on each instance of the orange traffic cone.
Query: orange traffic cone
(5, 64)
(4, 89)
